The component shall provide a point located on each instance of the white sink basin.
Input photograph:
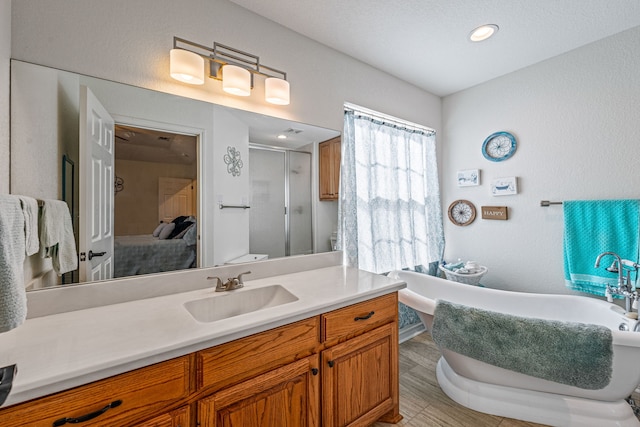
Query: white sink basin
(234, 303)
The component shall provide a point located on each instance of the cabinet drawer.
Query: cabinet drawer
(357, 318)
(119, 400)
(244, 358)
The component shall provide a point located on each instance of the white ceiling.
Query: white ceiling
(424, 42)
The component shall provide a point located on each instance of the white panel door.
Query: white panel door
(175, 198)
(96, 189)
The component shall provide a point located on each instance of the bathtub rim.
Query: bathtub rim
(426, 305)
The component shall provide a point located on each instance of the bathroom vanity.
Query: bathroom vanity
(328, 358)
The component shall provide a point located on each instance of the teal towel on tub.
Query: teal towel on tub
(592, 227)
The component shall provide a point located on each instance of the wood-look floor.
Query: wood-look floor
(423, 403)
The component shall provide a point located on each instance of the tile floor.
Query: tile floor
(423, 404)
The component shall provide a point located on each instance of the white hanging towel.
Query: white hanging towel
(30, 212)
(56, 236)
(13, 298)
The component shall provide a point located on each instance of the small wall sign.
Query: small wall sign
(494, 212)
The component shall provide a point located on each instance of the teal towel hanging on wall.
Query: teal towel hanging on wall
(592, 227)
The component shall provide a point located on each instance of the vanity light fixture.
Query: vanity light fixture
(234, 67)
(186, 66)
(483, 32)
(236, 80)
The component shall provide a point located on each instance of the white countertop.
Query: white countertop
(64, 350)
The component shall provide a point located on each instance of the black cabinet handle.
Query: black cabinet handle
(314, 371)
(368, 316)
(83, 418)
(331, 363)
(95, 254)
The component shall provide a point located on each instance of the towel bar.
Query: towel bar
(221, 206)
(546, 203)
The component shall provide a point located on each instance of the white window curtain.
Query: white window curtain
(389, 208)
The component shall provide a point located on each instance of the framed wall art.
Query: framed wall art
(504, 186)
(468, 178)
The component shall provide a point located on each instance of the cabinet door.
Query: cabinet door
(360, 379)
(287, 396)
(329, 176)
(177, 418)
(326, 187)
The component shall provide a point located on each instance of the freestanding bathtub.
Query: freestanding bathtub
(494, 390)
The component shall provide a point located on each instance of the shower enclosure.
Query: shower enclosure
(280, 215)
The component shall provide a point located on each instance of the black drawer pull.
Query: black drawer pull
(368, 316)
(83, 418)
(331, 363)
(314, 371)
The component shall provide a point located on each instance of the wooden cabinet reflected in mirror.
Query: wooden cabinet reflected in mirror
(329, 161)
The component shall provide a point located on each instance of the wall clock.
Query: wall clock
(499, 146)
(462, 212)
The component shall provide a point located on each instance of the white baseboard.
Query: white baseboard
(411, 331)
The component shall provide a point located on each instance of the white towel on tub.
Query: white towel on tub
(30, 212)
(13, 298)
(56, 236)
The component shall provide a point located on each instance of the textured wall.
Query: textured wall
(5, 55)
(577, 122)
(130, 42)
(136, 206)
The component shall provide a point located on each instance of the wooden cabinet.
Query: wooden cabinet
(287, 396)
(329, 167)
(360, 380)
(176, 418)
(117, 401)
(335, 369)
(245, 358)
(267, 379)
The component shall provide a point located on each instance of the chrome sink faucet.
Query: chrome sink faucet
(624, 286)
(231, 283)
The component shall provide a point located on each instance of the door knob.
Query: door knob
(96, 254)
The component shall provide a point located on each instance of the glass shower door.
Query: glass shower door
(300, 234)
(267, 234)
(280, 216)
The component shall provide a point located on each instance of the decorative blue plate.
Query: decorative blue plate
(499, 146)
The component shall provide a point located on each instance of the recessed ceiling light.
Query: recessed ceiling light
(483, 32)
(281, 136)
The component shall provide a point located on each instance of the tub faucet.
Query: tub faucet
(231, 283)
(624, 287)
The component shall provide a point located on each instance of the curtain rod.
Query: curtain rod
(386, 118)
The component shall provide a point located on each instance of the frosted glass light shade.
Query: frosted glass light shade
(276, 91)
(236, 80)
(186, 66)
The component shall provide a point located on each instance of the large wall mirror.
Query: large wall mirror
(237, 186)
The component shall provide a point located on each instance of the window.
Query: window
(389, 207)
